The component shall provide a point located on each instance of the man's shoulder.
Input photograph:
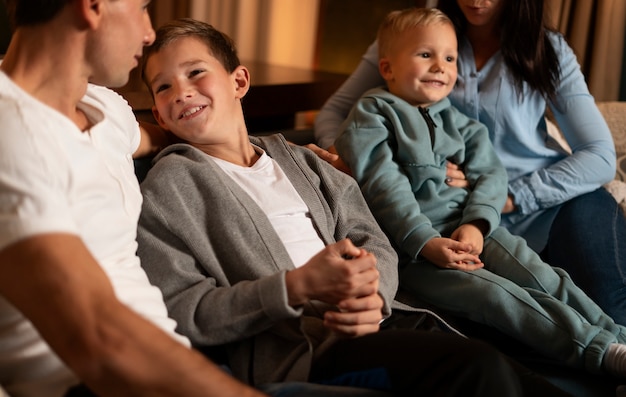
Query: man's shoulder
(106, 100)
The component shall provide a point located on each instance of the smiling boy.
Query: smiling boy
(397, 141)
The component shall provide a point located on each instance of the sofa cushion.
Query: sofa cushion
(615, 115)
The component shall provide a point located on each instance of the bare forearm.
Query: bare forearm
(55, 282)
(145, 361)
(153, 139)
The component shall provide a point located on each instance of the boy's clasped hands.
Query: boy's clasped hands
(342, 275)
(459, 252)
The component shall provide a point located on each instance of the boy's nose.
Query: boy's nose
(437, 67)
(183, 92)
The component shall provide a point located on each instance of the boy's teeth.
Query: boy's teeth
(191, 111)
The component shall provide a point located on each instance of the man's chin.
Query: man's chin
(111, 81)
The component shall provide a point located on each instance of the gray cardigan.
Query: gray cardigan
(221, 266)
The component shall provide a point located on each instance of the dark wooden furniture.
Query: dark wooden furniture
(277, 93)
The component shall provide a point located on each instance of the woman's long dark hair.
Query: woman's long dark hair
(524, 43)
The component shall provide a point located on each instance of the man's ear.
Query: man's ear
(90, 11)
(158, 118)
(241, 77)
(384, 68)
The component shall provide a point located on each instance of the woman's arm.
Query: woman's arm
(337, 107)
(592, 162)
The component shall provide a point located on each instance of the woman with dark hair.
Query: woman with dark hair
(511, 69)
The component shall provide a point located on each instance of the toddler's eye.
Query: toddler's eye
(424, 55)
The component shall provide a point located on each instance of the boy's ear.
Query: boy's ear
(384, 68)
(158, 118)
(241, 77)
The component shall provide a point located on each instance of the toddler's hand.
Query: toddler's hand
(451, 254)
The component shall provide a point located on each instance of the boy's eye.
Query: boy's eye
(161, 88)
(451, 59)
(424, 55)
(195, 72)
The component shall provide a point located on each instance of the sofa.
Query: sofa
(615, 115)
(577, 382)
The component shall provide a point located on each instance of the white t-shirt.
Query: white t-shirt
(56, 178)
(270, 188)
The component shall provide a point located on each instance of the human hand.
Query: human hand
(447, 253)
(330, 156)
(509, 205)
(340, 271)
(357, 316)
(472, 235)
(455, 176)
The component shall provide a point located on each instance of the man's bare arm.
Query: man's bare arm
(153, 139)
(56, 283)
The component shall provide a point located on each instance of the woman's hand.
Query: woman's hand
(509, 205)
(330, 156)
(455, 176)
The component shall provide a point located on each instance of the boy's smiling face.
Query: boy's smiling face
(195, 96)
(421, 67)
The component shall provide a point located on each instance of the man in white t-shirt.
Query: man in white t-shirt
(75, 305)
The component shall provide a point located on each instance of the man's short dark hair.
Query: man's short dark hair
(32, 12)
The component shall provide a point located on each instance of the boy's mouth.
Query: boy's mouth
(191, 111)
(435, 82)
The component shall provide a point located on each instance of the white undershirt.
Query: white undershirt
(270, 188)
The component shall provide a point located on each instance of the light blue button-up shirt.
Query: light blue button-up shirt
(541, 174)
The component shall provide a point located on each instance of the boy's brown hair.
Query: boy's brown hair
(219, 44)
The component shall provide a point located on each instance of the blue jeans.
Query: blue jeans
(523, 297)
(588, 240)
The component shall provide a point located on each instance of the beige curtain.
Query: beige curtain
(280, 32)
(163, 11)
(596, 30)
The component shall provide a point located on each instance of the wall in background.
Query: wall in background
(347, 27)
(622, 91)
(281, 32)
